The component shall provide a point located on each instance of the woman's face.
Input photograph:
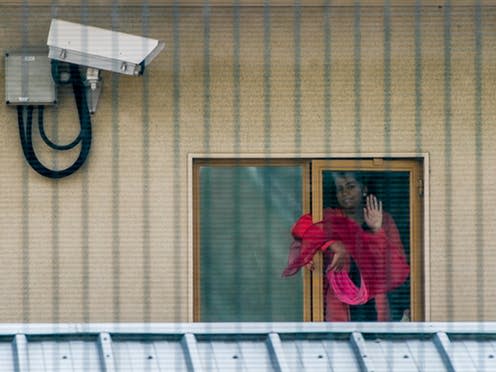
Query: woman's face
(348, 192)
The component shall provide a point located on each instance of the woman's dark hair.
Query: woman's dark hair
(358, 176)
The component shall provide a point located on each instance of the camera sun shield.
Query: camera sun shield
(100, 48)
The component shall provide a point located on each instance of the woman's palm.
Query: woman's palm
(372, 213)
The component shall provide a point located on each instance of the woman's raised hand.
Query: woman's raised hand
(372, 213)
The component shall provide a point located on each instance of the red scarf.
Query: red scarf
(379, 255)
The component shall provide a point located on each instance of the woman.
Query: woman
(359, 240)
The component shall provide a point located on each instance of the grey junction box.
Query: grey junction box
(28, 79)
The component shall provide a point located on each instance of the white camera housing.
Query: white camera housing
(101, 49)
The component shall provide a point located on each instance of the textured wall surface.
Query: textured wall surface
(110, 243)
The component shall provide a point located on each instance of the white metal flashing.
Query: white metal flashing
(257, 347)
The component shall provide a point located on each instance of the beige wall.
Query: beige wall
(110, 242)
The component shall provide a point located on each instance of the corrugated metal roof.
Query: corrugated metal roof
(249, 347)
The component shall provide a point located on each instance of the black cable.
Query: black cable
(25, 131)
(47, 140)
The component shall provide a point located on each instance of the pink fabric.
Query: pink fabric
(345, 290)
(378, 255)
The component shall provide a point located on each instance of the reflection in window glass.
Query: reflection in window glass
(245, 217)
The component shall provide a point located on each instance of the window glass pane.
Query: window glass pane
(245, 217)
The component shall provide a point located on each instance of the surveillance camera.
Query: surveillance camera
(76, 54)
(99, 48)
(95, 49)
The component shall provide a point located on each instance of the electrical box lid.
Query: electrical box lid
(28, 79)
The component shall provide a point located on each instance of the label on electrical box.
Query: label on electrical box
(29, 58)
(23, 99)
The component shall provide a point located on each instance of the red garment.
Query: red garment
(379, 257)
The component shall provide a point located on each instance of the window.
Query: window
(398, 184)
(243, 212)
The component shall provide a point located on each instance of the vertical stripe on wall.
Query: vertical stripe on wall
(418, 76)
(145, 15)
(236, 79)
(297, 76)
(357, 40)
(55, 231)
(55, 218)
(387, 77)
(26, 316)
(85, 251)
(448, 162)
(327, 78)
(479, 202)
(206, 77)
(267, 77)
(176, 145)
(116, 300)
(26, 310)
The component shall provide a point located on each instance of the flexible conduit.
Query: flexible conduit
(25, 120)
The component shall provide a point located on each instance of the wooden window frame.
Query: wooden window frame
(414, 168)
(312, 287)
